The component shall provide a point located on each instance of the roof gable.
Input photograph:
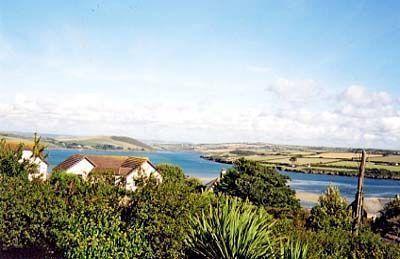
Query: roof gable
(119, 165)
(69, 162)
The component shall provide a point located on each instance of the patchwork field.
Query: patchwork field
(380, 164)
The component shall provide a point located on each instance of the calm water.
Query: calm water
(317, 183)
(190, 162)
(193, 165)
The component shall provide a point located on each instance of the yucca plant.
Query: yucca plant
(231, 229)
(294, 250)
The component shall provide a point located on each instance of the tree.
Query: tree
(171, 173)
(331, 212)
(293, 159)
(259, 184)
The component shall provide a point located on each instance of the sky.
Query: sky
(319, 73)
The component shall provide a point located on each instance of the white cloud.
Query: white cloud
(359, 96)
(295, 90)
(93, 113)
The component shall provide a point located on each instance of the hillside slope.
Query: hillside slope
(82, 142)
(102, 142)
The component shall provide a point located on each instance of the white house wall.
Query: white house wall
(41, 165)
(145, 170)
(81, 168)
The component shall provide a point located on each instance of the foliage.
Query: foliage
(163, 210)
(11, 163)
(331, 212)
(68, 216)
(339, 243)
(294, 249)
(75, 218)
(27, 210)
(104, 176)
(232, 229)
(171, 173)
(98, 232)
(261, 185)
(38, 149)
(388, 224)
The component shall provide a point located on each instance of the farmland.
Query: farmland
(380, 164)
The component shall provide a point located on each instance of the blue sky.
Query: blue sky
(295, 72)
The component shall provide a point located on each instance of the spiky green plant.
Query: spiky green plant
(294, 250)
(38, 149)
(231, 229)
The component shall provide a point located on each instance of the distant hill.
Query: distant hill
(102, 142)
(131, 141)
(81, 142)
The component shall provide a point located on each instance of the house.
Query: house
(128, 169)
(210, 185)
(42, 165)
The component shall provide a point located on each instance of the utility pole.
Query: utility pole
(357, 213)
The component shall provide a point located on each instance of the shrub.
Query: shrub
(331, 212)
(388, 224)
(11, 163)
(97, 232)
(231, 229)
(26, 213)
(163, 210)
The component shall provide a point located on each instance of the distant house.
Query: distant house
(128, 169)
(210, 185)
(41, 165)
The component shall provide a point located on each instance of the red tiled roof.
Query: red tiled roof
(120, 165)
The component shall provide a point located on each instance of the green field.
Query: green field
(385, 159)
(329, 162)
(303, 161)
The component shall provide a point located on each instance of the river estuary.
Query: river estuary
(193, 165)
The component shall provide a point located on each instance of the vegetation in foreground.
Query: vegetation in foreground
(66, 217)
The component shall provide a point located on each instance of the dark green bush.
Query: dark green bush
(259, 184)
(388, 224)
(164, 210)
(331, 212)
(27, 211)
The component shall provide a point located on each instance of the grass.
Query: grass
(386, 159)
(303, 161)
(320, 161)
(369, 165)
(342, 155)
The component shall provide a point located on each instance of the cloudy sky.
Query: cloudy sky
(294, 72)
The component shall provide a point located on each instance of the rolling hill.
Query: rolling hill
(81, 142)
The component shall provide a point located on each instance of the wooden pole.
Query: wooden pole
(359, 195)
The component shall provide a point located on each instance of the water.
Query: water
(317, 183)
(191, 162)
(193, 165)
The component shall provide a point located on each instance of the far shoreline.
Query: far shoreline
(299, 171)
